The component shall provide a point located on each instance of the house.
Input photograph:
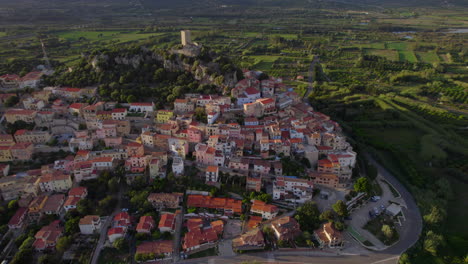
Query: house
(141, 107)
(328, 236)
(292, 189)
(251, 240)
(267, 211)
(22, 151)
(80, 192)
(47, 236)
(250, 95)
(228, 205)
(31, 103)
(254, 221)
(135, 149)
(6, 140)
(145, 225)
(205, 155)
(31, 80)
(15, 187)
(71, 203)
(165, 200)
(167, 223)
(212, 174)
(77, 108)
(18, 220)
(36, 207)
(194, 135)
(13, 115)
(55, 182)
(90, 224)
(122, 219)
(9, 81)
(157, 248)
(325, 179)
(195, 238)
(177, 165)
(163, 116)
(53, 204)
(119, 113)
(115, 233)
(285, 228)
(253, 184)
(34, 137)
(182, 106)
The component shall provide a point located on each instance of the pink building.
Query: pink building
(113, 141)
(136, 164)
(135, 149)
(204, 154)
(194, 135)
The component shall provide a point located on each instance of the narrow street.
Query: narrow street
(105, 227)
(177, 235)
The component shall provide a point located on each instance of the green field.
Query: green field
(407, 56)
(386, 53)
(264, 62)
(428, 57)
(2, 34)
(120, 36)
(397, 45)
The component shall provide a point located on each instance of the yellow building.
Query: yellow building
(5, 154)
(163, 116)
(55, 182)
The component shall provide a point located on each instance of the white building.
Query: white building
(141, 107)
(90, 224)
(292, 189)
(177, 165)
(212, 174)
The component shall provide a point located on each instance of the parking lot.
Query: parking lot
(332, 196)
(371, 209)
(232, 228)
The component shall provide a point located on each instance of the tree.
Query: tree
(433, 242)
(308, 216)
(362, 185)
(11, 101)
(120, 244)
(72, 225)
(131, 98)
(339, 225)
(84, 207)
(327, 215)
(387, 231)
(113, 185)
(63, 243)
(436, 215)
(340, 208)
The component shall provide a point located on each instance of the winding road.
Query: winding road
(413, 228)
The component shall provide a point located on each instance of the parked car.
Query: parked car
(375, 198)
(382, 207)
(371, 214)
(376, 211)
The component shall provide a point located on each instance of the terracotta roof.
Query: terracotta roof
(212, 169)
(15, 219)
(167, 220)
(89, 219)
(155, 247)
(77, 191)
(259, 206)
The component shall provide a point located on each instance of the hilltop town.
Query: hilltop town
(251, 169)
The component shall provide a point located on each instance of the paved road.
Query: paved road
(177, 235)
(411, 212)
(105, 226)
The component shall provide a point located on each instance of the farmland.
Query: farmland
(395, 80)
